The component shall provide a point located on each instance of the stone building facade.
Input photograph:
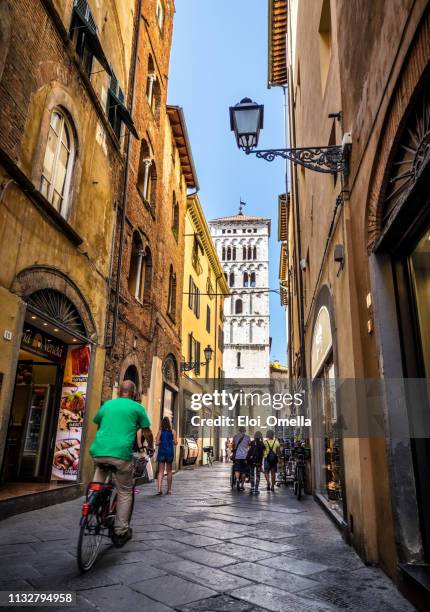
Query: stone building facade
(143, 333)
(66, 77)
(242, 243)
(205, 291)
(356, 253)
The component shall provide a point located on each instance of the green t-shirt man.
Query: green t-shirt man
(118, 420)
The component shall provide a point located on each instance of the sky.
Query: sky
(219, 56)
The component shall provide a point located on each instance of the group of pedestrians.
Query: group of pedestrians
(253, 456)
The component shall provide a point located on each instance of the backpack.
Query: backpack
(254, 454)
(271, 458)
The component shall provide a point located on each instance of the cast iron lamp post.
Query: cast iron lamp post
(246, 121)
(186, 366)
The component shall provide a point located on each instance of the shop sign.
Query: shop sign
(321, 341)
(43, 344)
(67, 452)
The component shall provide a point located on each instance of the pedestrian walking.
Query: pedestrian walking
(241, 443)
(254, 460)
(166, 442)
(271, 457)
(228, 449)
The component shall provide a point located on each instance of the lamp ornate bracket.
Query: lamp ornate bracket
(330, 159)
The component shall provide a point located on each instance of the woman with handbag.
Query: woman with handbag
(166, 442)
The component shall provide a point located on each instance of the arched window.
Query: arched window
(58, 162)
(156, 99)
(175, 217)
(254, 254)
(238, 359)
(234, 253)
(223, 258)
(150, 79)
(252, 283)
(147, 275)
(136, 273)
(245, 279)
(238, 309)
(147, 175)
(228, 253)
(231, 280)
(244, 252)
(171, 298)
(131, 373)
(249, 252)
(159, 13)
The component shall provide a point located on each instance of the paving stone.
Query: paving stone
(221, 603)
(296, 566)
(172, 546)
(133, 572)
(343, 560)
(173, 590)
(347, 600)
(277, 600)
(272, 576)
(213, 578)
(73, 582)
(160, 557)
(194, 540)
(116, 599)
(260, 544)
(208, 557)
(242, 553)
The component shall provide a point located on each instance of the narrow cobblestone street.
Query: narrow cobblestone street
(205, 548)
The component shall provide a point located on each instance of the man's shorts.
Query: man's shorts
(241, 466)
(269, 467)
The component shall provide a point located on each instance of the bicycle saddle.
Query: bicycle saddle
(107, 466)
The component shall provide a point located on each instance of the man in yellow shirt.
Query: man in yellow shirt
(271, 456)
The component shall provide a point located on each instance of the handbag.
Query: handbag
(139, 466)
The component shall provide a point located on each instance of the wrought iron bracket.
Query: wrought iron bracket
(330, 160)
(187, 366)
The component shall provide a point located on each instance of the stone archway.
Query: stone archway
(410, 86)
(37, 278)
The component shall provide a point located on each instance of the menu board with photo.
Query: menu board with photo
(71, 417)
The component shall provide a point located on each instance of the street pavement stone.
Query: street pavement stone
(219, 551)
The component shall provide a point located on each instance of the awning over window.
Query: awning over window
(86, 21)
(122, 111)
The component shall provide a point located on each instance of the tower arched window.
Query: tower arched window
(245, 279)
(252, 280)
(234, 253)
(228, 253)
(250, 252)
(254, 253)
(238, 359)
(244, 252)
(150, 79)
(231, 279)
(238, 308)
(58, 162)
(223, 257)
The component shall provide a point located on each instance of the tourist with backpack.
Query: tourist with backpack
(240, 450)
(254, 460)
(271, 456)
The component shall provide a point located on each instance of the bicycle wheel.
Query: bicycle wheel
(89, 541)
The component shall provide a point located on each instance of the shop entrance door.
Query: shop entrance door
(28, 453)
(412, 276)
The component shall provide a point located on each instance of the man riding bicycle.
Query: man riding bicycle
(118, 421)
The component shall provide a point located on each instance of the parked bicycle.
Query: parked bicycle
(209, 450)
(299, 473)
(98, 514)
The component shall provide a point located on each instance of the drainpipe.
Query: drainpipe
(111, 343)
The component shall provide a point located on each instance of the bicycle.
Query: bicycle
(299, 474)
(98, 515)
(209, 450)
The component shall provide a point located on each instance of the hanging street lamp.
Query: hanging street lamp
(186, 366)
(246, 121)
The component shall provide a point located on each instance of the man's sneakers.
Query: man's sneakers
(120, 540)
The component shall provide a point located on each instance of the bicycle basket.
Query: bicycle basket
(139, 467)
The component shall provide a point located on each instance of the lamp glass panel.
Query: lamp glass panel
(247, 120)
